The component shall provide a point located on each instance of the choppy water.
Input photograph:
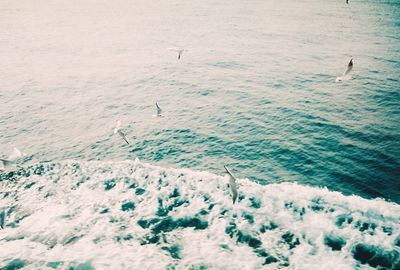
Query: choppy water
(256, 91)
(131, 215)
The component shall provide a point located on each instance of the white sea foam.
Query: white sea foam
(132, 215)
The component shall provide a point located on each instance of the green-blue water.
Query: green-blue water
(255, 89)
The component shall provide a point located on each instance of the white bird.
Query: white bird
(180, 52)
(158, 110)
(232, 185)
(2, 218)
(118, 130)
(12, 159)
(346, 73)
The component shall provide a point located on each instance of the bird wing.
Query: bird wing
(118, 124)
(180, 54)
(16, 154)
(123, 136)
(349, 68)
(232, 184)
(158, 109)
(6, 162)
(231, 177)
(234, 192)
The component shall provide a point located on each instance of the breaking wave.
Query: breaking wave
(132, 215)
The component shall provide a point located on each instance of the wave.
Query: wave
(133, 215)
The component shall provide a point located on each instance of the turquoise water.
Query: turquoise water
(132, 215)
(254, 90)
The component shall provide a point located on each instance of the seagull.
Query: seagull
(158, 110)
(346, 75)
(12, 159)
(2, 218)
(180, 54)
(347, 1)
(118, 130)
(180, 51)
(232, 185)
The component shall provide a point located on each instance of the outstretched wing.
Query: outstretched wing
(232, 185)
(123, 136)
(234, 193)
(158, 109)
(230, 174)
(117, 126)
(180, 52)
(16, 154)
(6, 162)
(349, 68)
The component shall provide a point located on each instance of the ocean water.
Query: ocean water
(318, 162)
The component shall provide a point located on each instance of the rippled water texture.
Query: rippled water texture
(256, 89)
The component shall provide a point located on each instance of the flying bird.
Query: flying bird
(180, 52)
(346, 73)
(158, 110)
(118, 130)
(12, 159)
(232, 185)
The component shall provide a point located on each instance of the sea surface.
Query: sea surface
(317, 162)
